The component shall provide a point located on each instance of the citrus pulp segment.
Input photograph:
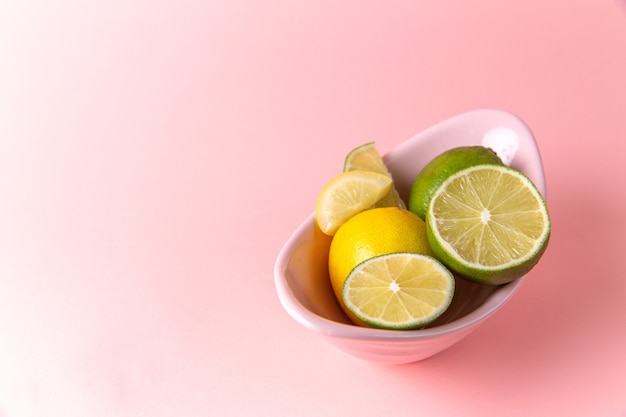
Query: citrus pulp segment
(441, 167)
(346, 195)
(398, 291)
(488, 223)
(367, 158)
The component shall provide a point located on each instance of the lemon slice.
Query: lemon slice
(367, 158)
(489, 223)
(347, 194)
(398, 291)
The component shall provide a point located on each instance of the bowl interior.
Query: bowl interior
(301, 271)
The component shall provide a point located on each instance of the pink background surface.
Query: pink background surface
(154, 156)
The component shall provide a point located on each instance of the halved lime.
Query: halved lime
(488, 223)
(398, 291)
(347, 194)
(367, 158)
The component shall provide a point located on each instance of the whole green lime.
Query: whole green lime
(443, 166)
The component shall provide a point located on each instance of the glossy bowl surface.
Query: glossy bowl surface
(301, 275)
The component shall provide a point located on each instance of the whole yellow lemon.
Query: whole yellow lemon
(373, 232)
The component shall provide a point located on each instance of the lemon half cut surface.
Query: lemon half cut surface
(348, 194)
(489, 223)
(398, 291)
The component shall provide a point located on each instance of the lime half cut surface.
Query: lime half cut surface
(488, 223)
(398, 291)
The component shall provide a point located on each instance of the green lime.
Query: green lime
(488, 223)
(440, 168)
(398, 291)
(371, 233)
(367, 158)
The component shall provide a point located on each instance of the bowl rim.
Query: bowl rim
(335, 329)
(332, 328)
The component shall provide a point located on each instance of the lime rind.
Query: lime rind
(442, 166)
(415, 294)
(449, 252)
(365, 157)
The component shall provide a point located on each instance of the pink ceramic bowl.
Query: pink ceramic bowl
(301, 275)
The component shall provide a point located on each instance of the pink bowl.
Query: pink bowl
(301, 275)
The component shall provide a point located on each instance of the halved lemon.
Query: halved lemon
(367, 158)
(488, 223)
(347, 194)
(398, 291)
